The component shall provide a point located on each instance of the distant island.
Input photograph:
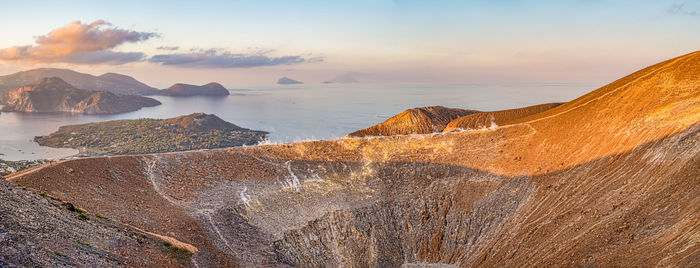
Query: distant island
(52, 94)
(346, 78)
(288, 81)
(112, 82)
(188, 132)
(187, 90)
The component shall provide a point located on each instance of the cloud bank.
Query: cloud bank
(171, 48)
(94, 43)
(216, 58)
(79, 43)
(679, 9)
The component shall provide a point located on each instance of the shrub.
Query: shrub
(45, 195)
(60, 254)
(180, 254)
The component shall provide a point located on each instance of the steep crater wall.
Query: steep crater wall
(433, 229)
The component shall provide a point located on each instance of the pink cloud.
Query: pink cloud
(80, 44)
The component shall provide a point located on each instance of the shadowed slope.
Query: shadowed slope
(38, 231)
(609, 179)
(421, 120)
(496, 118)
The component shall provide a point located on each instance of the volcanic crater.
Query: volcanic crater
(609, 179)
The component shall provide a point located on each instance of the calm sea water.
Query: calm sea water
(294, 113)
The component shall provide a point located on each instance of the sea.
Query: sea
(293, 113)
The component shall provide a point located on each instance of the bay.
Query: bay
(294, 113)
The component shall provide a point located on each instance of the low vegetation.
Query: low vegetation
(149, 136)
(58, 253)
(180, 254)
(45, 195)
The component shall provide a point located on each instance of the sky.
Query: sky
(241, 43)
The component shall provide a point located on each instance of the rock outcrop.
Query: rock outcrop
(115, 83)
(186, 90)
(496, 118)
(609, 179)
(421, 120)
(55, 95)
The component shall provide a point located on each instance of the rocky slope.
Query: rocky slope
(421, 120)
(496, 118)
(187, 132)
(55, 95)
(115, 83)
(609, 179)
(36, 230)
(186, 90)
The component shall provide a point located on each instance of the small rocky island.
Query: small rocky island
(52, 94)
(140, 136)
(186, 90)
(288, 81)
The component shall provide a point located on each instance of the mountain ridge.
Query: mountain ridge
(496, 118)
(115, 83)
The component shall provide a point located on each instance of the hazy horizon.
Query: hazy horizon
(255, 43)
